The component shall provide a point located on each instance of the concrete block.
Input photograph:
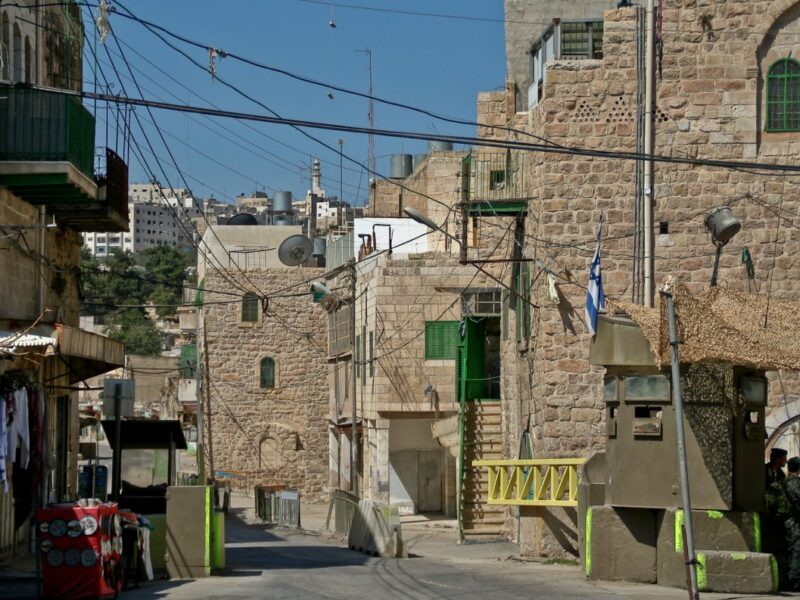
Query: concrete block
(620, 544)
(736, 572)
(714, 531)
(375, 530)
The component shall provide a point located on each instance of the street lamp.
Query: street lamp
(722, 225)
(321, 288)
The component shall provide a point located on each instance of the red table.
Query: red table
(80, 549)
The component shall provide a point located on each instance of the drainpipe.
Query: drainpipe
(354, 435)
(649, 99)
(201, 470)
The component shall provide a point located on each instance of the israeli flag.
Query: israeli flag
(595, 297)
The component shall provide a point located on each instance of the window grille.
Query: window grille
(267, 373)
(249, 308)
(783, 96)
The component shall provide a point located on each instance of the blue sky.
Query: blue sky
(439, 64)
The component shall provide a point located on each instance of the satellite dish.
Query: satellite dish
(295, 250)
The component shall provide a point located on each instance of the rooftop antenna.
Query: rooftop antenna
(371, 115)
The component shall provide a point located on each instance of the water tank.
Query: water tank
(436, 146)
(419, 159)
(281, 220)
(400, 166)
(282, 202)
(319, 246)
(242, 219)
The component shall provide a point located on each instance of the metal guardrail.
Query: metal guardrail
(277, 505)
(343, 507)
(533, 482)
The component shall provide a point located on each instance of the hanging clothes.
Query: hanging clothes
(3, 445)
(19, 432)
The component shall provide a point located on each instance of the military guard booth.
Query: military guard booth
(630, 508)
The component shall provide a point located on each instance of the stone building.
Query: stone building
(264, 361)
(41, 166)
(725, 83)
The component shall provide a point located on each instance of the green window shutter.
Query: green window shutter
(200, 295)
(441, 340)
(267, 372)
(249, 308)
(522, 290)
(188, 360)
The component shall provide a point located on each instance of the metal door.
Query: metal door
(429, 481)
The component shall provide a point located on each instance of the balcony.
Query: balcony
(495, 184)
(47, 158)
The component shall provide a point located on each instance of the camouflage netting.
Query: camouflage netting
(723, 326)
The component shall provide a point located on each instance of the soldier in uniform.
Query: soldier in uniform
(783, 500)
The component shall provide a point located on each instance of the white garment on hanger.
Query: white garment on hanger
(3, 445)
(19, 432)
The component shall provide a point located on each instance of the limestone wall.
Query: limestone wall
(279, 435)
(710, 103)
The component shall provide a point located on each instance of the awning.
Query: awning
(85, 354)
(88, 354)
(146, 433)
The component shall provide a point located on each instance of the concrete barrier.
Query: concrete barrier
(620, 544)
(728, 552)
(375, 530)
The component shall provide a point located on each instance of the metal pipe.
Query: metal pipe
(677, 402)
(201, 467)
(116, 475)
(715, 272)
(649, 99)
(354, 434)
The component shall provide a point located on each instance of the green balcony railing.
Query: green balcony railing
(45, 126)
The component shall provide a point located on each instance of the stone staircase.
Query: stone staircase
(483, 440)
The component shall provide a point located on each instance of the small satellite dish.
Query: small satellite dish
(295, 250)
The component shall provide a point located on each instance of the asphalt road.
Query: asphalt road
(270, 563)
(278, 563)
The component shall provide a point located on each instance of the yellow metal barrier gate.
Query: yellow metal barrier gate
(533, 482)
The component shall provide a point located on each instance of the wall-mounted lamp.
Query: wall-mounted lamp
(722, 225)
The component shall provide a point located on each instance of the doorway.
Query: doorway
(479, 356)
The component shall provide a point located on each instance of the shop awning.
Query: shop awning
(85, 354)
(146, 433)
(88, 354)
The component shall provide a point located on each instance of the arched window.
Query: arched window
(266, 370)
(18, 68)
(5, 49)
(269, 453)
(783, 95)
(249, 308)
(28, 60)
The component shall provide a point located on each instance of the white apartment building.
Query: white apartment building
(157, 217)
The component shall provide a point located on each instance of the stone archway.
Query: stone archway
(783, 427)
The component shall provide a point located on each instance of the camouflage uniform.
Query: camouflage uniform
(783, 500)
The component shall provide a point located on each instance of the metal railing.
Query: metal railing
(496, 176)
(343, 507)
(277, 506)
(46, 126)
(533, 482)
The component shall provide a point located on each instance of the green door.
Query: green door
(473, 360)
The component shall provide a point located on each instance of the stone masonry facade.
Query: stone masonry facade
(710, 104)
(276, 436)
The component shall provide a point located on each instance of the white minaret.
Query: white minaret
(316, 179)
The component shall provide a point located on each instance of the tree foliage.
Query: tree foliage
(117, 289)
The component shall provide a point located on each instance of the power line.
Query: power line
(329, 86)
(414, 13)
(506, 144)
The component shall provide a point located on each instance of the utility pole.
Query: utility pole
(649, 180)
(340, 220)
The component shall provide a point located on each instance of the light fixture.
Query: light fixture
(722, 225)
(420, 218)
